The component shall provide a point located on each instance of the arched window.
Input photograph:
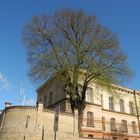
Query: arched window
(131, 108)
(124, 126)
(112, 124)
(134, 127)
(90, 118)
(111, 103)
(45, 101)
(51, 98)
(121, 102)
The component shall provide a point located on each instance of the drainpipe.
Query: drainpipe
(137, 111)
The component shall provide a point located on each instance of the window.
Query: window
(90, 136)
(131, 108)
(89, 95)
(121, 102)
(103, 123)
(111, 103)
(80, 90)
(90, 119)
(102, 103)
(45, 101)
(50, 99)
(112, 124)
(114, 138)
(124, 126)
(134, 127)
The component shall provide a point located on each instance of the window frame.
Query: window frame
(111, 104)
(90, 119)
(131, 107)
(89, 95)
(103, 123)
(102, 101)
(113, 124)
(50, 97)
(45, 101)
(134, 127)
(122, 105)
(124, 126)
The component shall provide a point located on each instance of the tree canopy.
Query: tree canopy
(69, 42)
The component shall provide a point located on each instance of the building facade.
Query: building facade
(106, 115)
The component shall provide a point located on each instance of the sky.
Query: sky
(120, 16)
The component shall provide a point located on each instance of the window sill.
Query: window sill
(134, 133)
(90, 126)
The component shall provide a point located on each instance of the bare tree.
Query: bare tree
(73, 44)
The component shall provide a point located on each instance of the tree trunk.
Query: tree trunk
(80, 119)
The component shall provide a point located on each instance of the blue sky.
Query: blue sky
(121, 16)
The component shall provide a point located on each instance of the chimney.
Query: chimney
(7, 104)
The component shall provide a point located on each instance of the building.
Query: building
(106, 116)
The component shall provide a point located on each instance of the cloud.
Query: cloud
(30, 102)
(4, 83)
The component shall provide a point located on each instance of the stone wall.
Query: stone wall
(29, 123)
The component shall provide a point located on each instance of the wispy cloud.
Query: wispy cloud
(4, 83)
(30, 102)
